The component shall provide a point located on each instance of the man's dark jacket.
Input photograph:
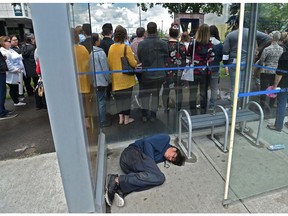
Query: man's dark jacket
(153, 53)
(105, 44)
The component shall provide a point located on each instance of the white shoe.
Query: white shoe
(21, 99)
(20, 104)
(119, 199)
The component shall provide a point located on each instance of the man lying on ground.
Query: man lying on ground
(139, 163)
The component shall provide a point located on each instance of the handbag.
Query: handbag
(126, 65)
(188, 72)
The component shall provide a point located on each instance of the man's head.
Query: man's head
(107, 29)
(151, 28)
(275, 35)
(140, 32)
(174, 156)
(86, 27)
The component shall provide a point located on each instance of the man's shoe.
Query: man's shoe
(272, 127)
(286, 124)
(20, 104)
(8, 116)
(119, 198)
(111, 188)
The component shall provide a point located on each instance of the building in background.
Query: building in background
(15, 18)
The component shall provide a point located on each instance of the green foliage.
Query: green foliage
(186, 7)
(270, 15)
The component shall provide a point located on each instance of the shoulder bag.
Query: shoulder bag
(126, 65)
(188, 72)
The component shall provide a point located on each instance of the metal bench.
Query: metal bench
(222, 118)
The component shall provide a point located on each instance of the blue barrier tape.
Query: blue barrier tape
(262, 92)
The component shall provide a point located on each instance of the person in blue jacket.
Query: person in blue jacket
(139, 163)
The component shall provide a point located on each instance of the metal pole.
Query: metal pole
(72, 7)
(250, 51)
(235, 100)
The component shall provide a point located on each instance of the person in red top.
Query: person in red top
(202, 56)
(39, 95)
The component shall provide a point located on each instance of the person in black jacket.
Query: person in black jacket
(28, 49)
(152, 53)
(86, 27)
(106, 42)
(4, 114)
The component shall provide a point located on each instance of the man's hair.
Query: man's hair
(140, 32)
(275, 35)
(107, 29)
(86, 27)
(179, 159)
(152, 28)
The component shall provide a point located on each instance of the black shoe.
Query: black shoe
(7, 116)
(111, 188)
(119, 198)
(272, 127)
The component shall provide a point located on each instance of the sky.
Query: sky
(125, 14)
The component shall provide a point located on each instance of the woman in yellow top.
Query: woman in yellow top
(122, 84)
(82, 60)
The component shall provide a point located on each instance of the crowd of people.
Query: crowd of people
(18, 66)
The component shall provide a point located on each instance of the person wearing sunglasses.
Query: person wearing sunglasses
(15, 67)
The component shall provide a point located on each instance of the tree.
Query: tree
(270, 15)
(187, 7)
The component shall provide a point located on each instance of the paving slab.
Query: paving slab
(32, 185)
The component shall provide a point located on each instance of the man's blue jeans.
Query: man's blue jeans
(3, 111)
(281, 109)
(142, 172)
(101, 95)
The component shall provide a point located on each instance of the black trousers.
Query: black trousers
(14, 92)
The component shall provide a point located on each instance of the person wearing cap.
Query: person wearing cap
(106, 42)
(269, 58)
(139, 163)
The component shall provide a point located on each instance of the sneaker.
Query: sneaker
(111, 188)
(8, 116)
(286, 124)
(272, 127)
(119, 198)
(20, 104)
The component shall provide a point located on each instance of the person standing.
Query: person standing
(202, 57)
(15, 67)
(106, 42)
(281, 80)
(122, 84)
(4, 114)
(152, 53)
(87, 43)
(177, 58)
(28, 49)
(16, 48)
(98, 64)
(140, 33)
(269, 58)
(215, 65)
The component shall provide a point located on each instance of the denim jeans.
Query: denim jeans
(214, 88)
(2, 93)
(232, 74)
(101, 95)
(281, 109)
(141, 171)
